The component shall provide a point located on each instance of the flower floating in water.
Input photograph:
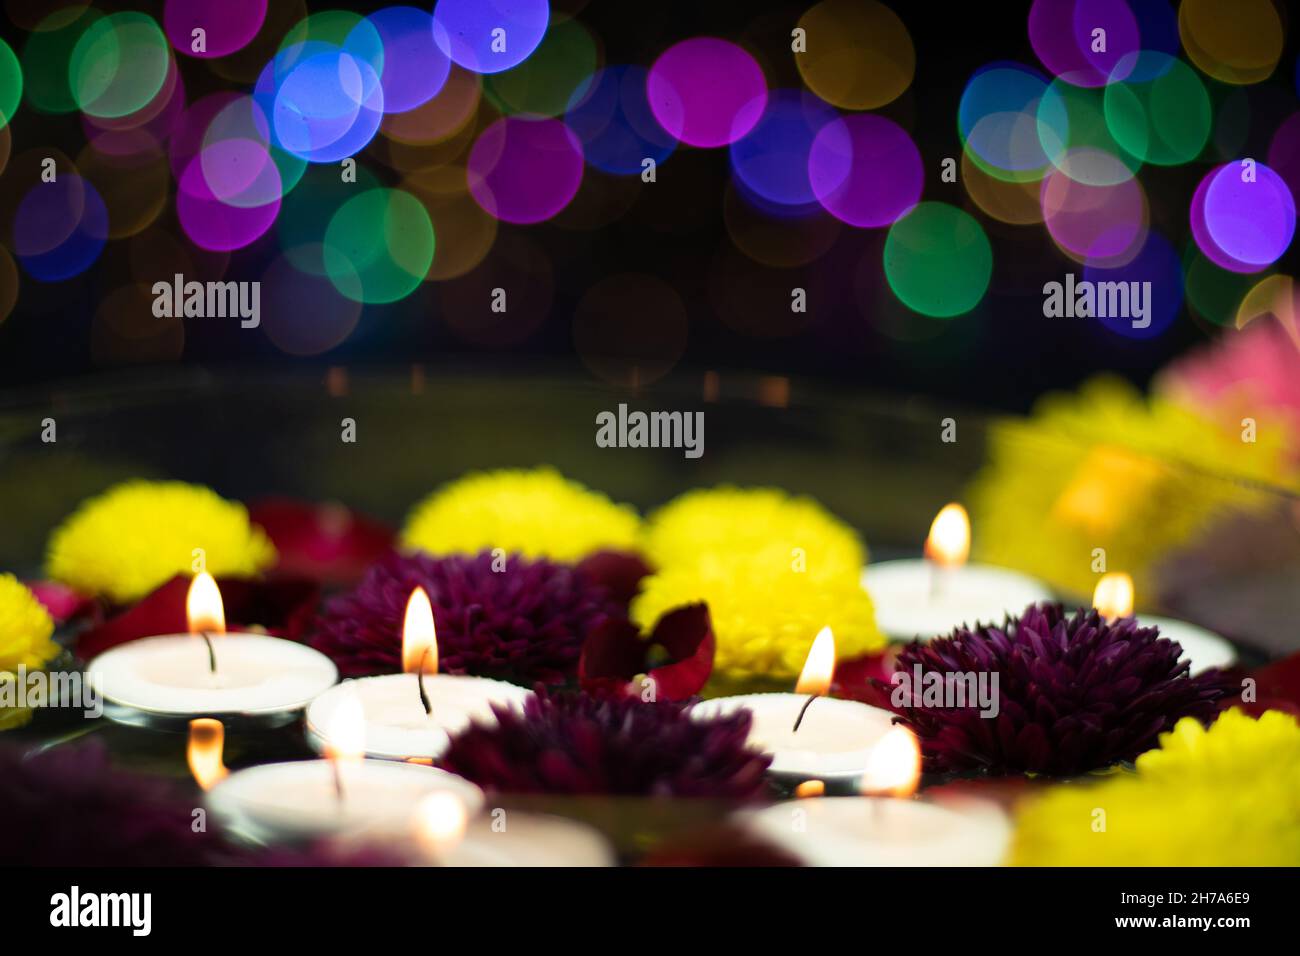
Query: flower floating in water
(1225, 796)
(1073, 694)
(1105, 468)
(773, 570)
(518, 619)
(26, 640)
(538, 513)
(128, 540)
(579, 744)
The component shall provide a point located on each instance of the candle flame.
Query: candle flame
(894, 765)
(440, 820)
(819, 668)
(948, 544)
(810, 788)
(1113, 596)
(203, 607)
(345, 737)
(419, 639)
(204, 753)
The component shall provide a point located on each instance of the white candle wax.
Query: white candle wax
(528, 839)
(297, 800)
(920, 599)
(1203, 648)
(397, 726)
(833, 743)
(883, 831)
(171, 675)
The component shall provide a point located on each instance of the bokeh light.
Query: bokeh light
(11, 83)
(415, 66)
(998, 121)
(706, 92)
(525, 170)
(379, 246)
(938, 260)
(216, 225)
(1102, 225)
(1064, 36)
(488, 36)
(612, 118)
(558, 72)
(1074, 134)
(1249, 217)
(771, 160)
(227, 25)
(1161, 113)
(304, 314)
(865, 170)
(1156, 263)
(326, 106)
(59, 228)
(46, 57)
(119, 64)
(1238, 42)
(859, 54)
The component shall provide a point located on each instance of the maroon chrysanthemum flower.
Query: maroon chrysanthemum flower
(575, 743)
(525, 622)
(1074, 693)
(70, 807)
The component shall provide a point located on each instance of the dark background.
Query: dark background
(1001, 355)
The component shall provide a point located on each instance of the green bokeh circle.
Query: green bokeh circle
(45, 59)
(11, 83)
(1163, 119)
(938, 260)
(379, 246)
(560, 67)
(118, 65)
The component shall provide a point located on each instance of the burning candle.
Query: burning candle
(1114, 597)
(929, 598)
(414, 713)
(447, 836)
(343, 794)
(880, 827)
(207, 672)
(809, 735)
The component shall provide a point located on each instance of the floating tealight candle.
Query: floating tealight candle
(342, 794)
(448, 837)
(170, 679)
(413, 714)
(1114, 597)
(929, 598)
(809, 735)
(879, 828)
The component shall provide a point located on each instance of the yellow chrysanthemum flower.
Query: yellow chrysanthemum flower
(128, 540)
(1225, 796)
(1106, 468)
(26, 631)
(774, 570)
(537, 512)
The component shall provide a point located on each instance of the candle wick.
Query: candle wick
(212, 653)
(419, 682)
(803, 710)
(338, 781)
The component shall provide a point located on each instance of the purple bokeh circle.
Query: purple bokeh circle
(1157, 263)
(1061, 33)
(1251, 220)
(706, 92)
(1284, 153)
(1105, 226)
(415, 65)
(865, 170)
(215, 225)
(488, 36)
(228, 24)
(525, 169)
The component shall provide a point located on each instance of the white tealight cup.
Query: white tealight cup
(170, 678)
(884, 831)
(299, 799)
(397, 726)
(919, 599)
(1204, 649)
(528, 839)
(834, 741)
